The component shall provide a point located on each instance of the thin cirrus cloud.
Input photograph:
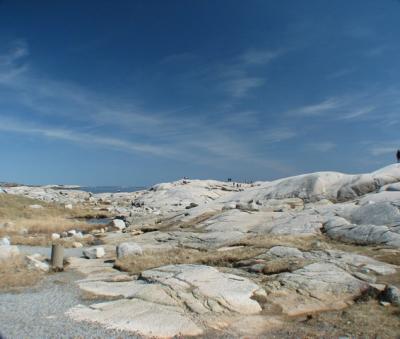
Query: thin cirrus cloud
(384, 148)
(241, 86)
(11, 125)
(237, 77)
(322, 146)
(372, 105)
(260, 57)
(317, 109)
(129, 127)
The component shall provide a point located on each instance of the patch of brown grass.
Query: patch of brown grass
(153, 259)
(304, 243)
(15, 275)
(361, 320)
(45, 240)
(16, 214)
(282, 265)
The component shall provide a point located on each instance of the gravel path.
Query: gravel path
(39, 312)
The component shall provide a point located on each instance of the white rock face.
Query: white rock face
(139, 316)
(118, 224)
(158, 303)
(71, 233)
(185, 300)
(50, 194)
(177, 196)
(319, 287)
(68, 206)
(8, 252)
(94, 252)
(340, 229)
(128, 249)
(228, 291)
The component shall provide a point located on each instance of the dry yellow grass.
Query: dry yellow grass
(15, 274)
(153, 259)
(361, 320)
(18, 217)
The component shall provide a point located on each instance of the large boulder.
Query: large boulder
(118, 224)
(128, 249)
(340, 229)
(94, 252)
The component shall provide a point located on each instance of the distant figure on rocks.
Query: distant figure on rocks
(398, 155)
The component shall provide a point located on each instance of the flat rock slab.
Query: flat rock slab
(169, 301)
(315, 288)
(216, 290)
(138, 316)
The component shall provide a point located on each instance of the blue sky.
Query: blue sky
(138, 92)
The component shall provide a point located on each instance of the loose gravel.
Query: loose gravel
(39, 312)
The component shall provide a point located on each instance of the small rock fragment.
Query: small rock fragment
(392, 295)
(94, 252)
(55, 236)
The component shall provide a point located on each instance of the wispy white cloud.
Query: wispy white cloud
(260, 57)
(94, 119)
(319, 108)
(341, 73)
(382, 150)
(367, 106)
(357, 113)
(274, 135)
(322, 147)
(10, 61)
(382, 147)
(377, 51)
(239, 78)
(12, 125)
(240, 86)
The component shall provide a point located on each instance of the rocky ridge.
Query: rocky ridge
(290, 224)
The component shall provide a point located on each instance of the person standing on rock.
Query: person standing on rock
(398, 155)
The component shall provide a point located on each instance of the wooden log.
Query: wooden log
(57, 257)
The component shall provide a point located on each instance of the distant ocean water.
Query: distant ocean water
(111, 189)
